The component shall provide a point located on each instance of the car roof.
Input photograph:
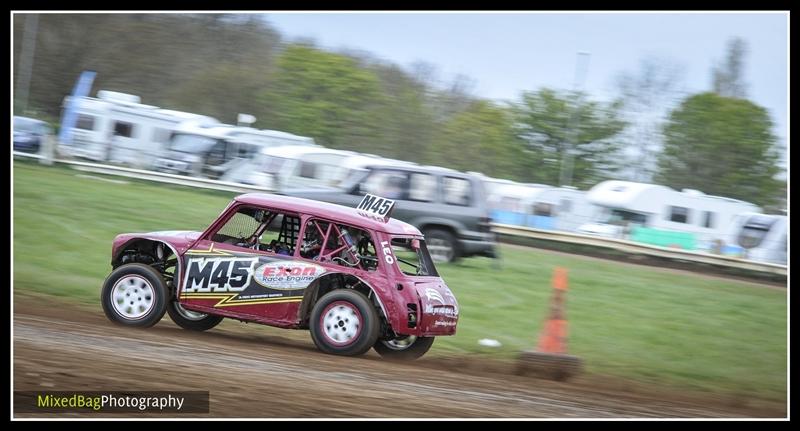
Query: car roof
(424, 169)
(328, 211)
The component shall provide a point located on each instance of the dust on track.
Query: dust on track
(255, 371)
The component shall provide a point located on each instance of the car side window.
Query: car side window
(261, 230)
(457, 191)
(344, 245)
(387, 184)
(422, 187)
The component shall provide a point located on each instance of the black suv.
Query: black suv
(448, 206)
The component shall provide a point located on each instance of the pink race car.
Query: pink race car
(354, 276)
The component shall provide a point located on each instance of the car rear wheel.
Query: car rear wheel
(442, 245)
(408, 348)
(344, 322)
(192, 320)
(134, 295)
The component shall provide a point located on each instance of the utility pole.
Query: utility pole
(574, 123)
(25, 68)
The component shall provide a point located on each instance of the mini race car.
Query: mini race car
(354, 277)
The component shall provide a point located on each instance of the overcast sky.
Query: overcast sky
(506, 53)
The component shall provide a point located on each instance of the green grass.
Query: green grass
(642, 323)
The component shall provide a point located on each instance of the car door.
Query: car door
(228, 272)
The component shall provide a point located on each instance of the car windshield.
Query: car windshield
(29, 125)
(412, 256)
(191, 143)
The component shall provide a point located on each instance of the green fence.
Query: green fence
(664, 238)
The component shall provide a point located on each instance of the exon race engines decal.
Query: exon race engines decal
(246, 279)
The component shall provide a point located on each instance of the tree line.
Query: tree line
(223, 64)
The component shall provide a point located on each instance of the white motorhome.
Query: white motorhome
(659, 215)
(761, 237)
(538, 205)
(213, 150)
(116, 127)
(297, 167)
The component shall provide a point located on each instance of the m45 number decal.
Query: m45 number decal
(218, 274)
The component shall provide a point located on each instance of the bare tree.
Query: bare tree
(729, 77)
(648, 95)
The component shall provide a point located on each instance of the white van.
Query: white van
(298, 167)
(212, 150)
(116, 127)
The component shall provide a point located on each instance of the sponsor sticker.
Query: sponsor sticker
(287, 275)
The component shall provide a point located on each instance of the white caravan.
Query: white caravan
(537, 205)
(213, 150)
(298, 167)
(761, 237)
(659, 215)
(116, 127)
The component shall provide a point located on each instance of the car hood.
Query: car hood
(177, 239)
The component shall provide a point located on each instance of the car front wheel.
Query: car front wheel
(408, 348)
(344, 322)
(134, 295)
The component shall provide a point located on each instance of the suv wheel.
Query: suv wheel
(442, 245)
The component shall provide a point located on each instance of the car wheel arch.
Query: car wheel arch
(137, 242)
(313, 293)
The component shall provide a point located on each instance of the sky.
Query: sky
(507, 53)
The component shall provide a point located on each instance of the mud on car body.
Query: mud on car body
(354, 277)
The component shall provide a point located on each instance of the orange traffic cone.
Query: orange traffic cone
(550, 359)
(553, 338)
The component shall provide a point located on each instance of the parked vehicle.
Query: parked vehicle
(448, 206)
(211, 151)
(295, 167)
(658, 215)
(539, 206)
(354, 279)
(116, 127)
(30, 133)
(761, 237)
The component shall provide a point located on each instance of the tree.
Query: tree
(728, 78)
(481, 138)
(722, 146)
(324, 95)
(648, 96)
(543, 121)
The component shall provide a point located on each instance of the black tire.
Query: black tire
(149, 295)
(183, 318)
(397, 351)
(440, 237)
(351, 304)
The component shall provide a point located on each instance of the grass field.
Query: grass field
(648, 324)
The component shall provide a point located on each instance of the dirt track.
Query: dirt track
(254, 371)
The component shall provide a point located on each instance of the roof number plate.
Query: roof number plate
(376, 207)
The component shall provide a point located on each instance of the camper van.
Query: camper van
(116, 127)
(298, 167)
(659, 215)
(538, 205)
(211, 150)
(760, 237)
